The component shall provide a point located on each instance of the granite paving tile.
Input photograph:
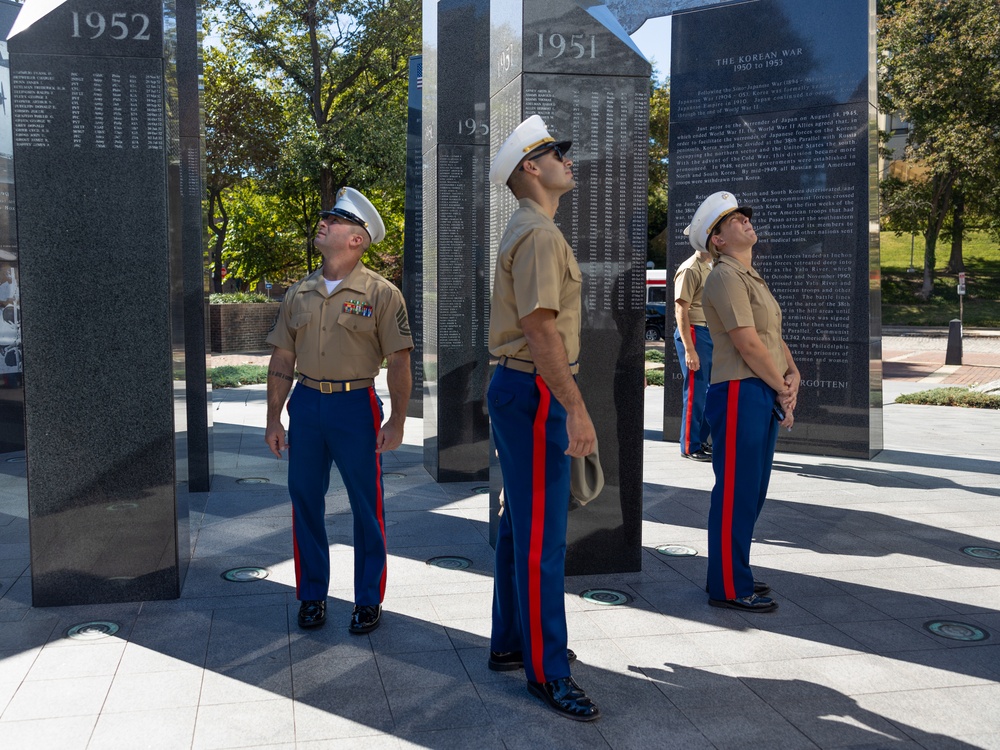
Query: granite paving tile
(156, 729)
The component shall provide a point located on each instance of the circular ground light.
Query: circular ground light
(92, 631)
(122, 506)
(393, 475)
(17, 459)
(480, 490)
(608, 597)
(982, 553)
(450, 562)
(956, 631)
(245, 575)
(676, 550)
(253, 480)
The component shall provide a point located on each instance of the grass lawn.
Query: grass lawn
(900, 304)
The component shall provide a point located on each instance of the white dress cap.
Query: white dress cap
(712, 210)
(354, 207)
(529, 136)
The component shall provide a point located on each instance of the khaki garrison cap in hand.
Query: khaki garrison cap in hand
(713, 209)
(528, 137)
(354, 207)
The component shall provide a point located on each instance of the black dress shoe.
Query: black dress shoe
(312, 613)
(506, 661)
(759, 587)
(365, 618)
(566, 698)
(752, 603)
(699, 455)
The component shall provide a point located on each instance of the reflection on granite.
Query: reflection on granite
(590, 86)
(770, 100)
(99, 182)
(632, 14)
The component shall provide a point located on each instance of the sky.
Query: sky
(653, 38)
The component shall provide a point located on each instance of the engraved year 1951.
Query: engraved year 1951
(118, 26)
(556, 45)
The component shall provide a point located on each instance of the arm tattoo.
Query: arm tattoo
(281, 375)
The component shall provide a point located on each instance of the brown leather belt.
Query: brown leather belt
(524, 365)
(335, 386)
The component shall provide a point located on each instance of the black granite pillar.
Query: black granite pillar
(455, 262)
(193, 271)
(775, 101)
(100, 221)
(413, 235)
(11, 391)
(578, 69)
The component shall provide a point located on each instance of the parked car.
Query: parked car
(656, 322)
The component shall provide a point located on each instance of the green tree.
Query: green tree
(938, 68)
(343, 64)
(262, 242)
(339, 69)
(659, 142)
(243, 132)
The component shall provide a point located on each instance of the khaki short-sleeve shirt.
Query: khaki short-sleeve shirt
(689, 283)
(535, 269)
(737, 297)
(346, 335)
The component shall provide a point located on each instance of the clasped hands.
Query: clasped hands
(788, 398)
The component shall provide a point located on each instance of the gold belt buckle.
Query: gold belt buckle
(325, 387)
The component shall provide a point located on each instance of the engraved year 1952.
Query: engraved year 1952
(117, 26)
(576, 46)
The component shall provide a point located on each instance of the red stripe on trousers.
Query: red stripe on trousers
(729, 489)
(690, 403)
(379, 512)
(537, 529)
(295, 556)
(295, 548)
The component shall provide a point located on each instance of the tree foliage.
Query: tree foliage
(659, 141)
(338, 71)
(244, 127)
(938, 68)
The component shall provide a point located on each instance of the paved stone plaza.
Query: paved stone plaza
(860, 554)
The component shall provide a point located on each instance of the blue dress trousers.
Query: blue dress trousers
(744, 433)
(529, 429)
(694, 425)
(327, 428)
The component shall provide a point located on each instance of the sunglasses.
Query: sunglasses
(339, 213)
(555, 150)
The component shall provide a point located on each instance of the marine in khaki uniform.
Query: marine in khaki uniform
(754, 388)
(335, 327)
(538, 417)
(693, 343)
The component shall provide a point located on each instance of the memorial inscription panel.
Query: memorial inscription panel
(456, 434)
(413, 235)
(591, 86)
(93, 158)
(771, 100)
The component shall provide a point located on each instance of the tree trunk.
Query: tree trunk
(219, 230)
(956, 263)
(940, 205)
